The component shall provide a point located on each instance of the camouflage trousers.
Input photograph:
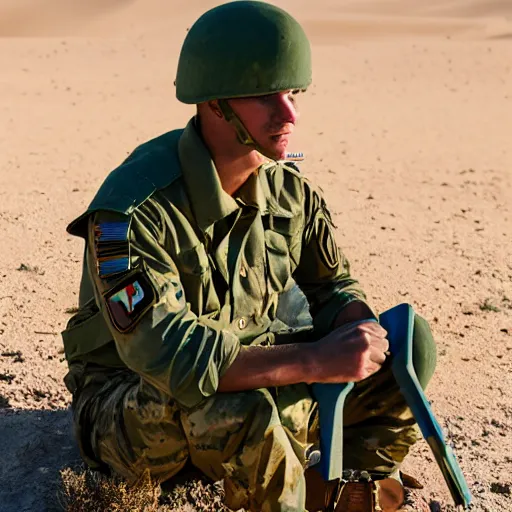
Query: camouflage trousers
(257, 441)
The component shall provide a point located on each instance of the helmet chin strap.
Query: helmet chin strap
(243, 135)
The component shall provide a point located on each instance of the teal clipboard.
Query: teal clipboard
(331, 399)
(399, 322)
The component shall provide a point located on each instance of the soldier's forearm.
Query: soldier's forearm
(263, 367)
(281, 365)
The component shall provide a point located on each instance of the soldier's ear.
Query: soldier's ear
(215, 108)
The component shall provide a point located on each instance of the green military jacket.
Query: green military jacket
(178, 275)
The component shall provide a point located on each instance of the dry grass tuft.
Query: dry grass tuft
(85, 491)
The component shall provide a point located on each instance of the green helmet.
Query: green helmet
(242, 48)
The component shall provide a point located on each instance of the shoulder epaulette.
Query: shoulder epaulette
(152, 166)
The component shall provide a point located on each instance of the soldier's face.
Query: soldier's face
(269, 119)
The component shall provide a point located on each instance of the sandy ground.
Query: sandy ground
(407, 128)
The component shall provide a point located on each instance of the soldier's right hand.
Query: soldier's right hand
(348, 354)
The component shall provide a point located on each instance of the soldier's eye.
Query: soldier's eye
(293, 95)
(266, 98)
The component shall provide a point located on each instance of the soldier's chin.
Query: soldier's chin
(273, 154)
(277, 147)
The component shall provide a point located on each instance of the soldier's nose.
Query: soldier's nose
(286, 109)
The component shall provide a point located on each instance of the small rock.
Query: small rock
(499, 488)
(7, 378)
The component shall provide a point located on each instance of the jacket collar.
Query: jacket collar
(210, 203)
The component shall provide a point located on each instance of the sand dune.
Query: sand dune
(412, 8)
(364, 19)
(333, 19)
(32, 18)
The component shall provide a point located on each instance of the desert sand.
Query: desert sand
(407, 128)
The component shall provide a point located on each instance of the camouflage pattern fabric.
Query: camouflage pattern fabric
(257, 441)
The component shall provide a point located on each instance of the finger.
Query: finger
(381, 344)
(377, 356)
(371, 368)
(373, 328)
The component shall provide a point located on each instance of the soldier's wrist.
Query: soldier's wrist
(309, 365)
(353, 312)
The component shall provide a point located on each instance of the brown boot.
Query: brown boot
(357, 494)
(320, 495)
(358, 497)
(385, 495)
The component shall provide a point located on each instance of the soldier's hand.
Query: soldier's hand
(348, 354)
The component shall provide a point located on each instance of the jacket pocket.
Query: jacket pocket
(196, 279)
(278, 260)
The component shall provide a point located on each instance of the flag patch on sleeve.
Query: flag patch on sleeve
(128, 301)
(112, 247)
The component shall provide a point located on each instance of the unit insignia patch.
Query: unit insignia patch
(129, 300)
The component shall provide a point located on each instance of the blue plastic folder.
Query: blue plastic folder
(399, 323)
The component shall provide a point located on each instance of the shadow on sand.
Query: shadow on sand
(34, 446)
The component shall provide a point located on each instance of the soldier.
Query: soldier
(213, 292)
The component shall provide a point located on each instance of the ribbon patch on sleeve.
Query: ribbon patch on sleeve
(112, 248)
(129, 301)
